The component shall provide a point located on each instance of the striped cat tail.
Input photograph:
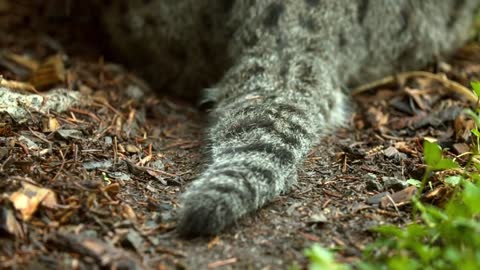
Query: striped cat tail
(264, 125)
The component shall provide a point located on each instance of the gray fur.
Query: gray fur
(275, 69)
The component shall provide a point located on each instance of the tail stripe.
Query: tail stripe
(264, 123)
(273, 108)
(278, 114)
(245, 181)
(266, 174)
(281, 153)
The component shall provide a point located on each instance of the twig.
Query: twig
(61, 166)
(393, 203)
(18, 85)
(449, 84)
(222, 263)
(84, 112)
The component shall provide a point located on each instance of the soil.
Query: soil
(115, 164)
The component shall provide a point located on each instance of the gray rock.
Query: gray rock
(393, 183)
(372, 182)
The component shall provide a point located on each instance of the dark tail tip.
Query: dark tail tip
(204, 213)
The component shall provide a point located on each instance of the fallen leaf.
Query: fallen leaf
(29, 197)
(439, 195)
(132, 148)
(401, 197)
(375, 199)
(461, 148)
(9, 224)
(50, 72)
(23, 61)
(128, 212)
(317, 218)
(462, 127)
(50, 124)
(103, 253)
(215, 241)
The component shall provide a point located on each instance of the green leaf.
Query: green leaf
(471, 197)
(475, 176)
(432, 152)
(433, 216)
(416, 230)
(454, 180)
(444, 164)
(414, 182)
(403, 262)
(433, 157)
(475, 116)
(476, 87)
(477, 166)
(476, 132)
(322, 259)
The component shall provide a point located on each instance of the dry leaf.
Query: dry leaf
(132, 148)
(9, 223)
(462, 127)
(51, 72)
(128, 212)
(461, 148)
(29, 197)
(50, 125)
(401, 197)
(23, 61)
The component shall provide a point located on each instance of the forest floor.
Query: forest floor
(97, 185)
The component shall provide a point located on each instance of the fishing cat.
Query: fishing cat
(274, 71)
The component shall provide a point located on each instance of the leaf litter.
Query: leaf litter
(90, 174)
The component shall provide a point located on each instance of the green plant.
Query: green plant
(475, 115)
(323, 259)
(446, 238)
(441, 238)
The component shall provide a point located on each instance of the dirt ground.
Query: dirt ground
(97, 186)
